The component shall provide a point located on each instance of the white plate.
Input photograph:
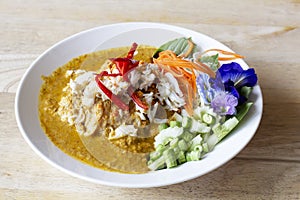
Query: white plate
(123, 34)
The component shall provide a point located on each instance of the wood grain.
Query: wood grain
(266, 32)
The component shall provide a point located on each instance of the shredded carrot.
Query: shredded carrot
(189, 98)
(169, 58)
(231, 54)
(183, 70)
(176, 73)
(206, 69)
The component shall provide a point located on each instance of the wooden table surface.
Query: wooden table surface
(266, 32)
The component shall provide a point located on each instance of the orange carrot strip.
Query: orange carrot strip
(226, 58)
(175, 73)
(179, 63)
(205, 69)
(189, 97)
(190, 49)
(235, 55)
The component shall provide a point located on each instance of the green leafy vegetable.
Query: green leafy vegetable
(211, 61)
(178, 46)
(246, 91)
(243, 110)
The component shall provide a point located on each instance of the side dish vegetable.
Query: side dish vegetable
(223, 89)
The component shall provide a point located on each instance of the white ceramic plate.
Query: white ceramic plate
(124, 34)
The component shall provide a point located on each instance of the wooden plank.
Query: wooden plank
(238, 179)
(217, 12)
(271, 33)
(257, 43)
(278, 135)
(12, 68)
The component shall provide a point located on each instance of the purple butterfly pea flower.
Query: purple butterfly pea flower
(205, 89)
(235, 73)
(224, 103)
(223, 93)
(212, 92)
(235, 77)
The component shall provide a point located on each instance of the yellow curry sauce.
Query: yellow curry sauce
(61, 133)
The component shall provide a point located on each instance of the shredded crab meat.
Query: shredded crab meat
(167, 85)
(79, 107)
(122, 131)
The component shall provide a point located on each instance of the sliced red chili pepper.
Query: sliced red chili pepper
(136, 99)
(132, 50)
(114, 98)
(125, 65)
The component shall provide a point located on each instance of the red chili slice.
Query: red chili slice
(136, 99)
(124, 66)
(114, 98)
(132, 50)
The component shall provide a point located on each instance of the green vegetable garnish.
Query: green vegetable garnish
(179, 46)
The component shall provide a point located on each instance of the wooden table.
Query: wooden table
(266, 32)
